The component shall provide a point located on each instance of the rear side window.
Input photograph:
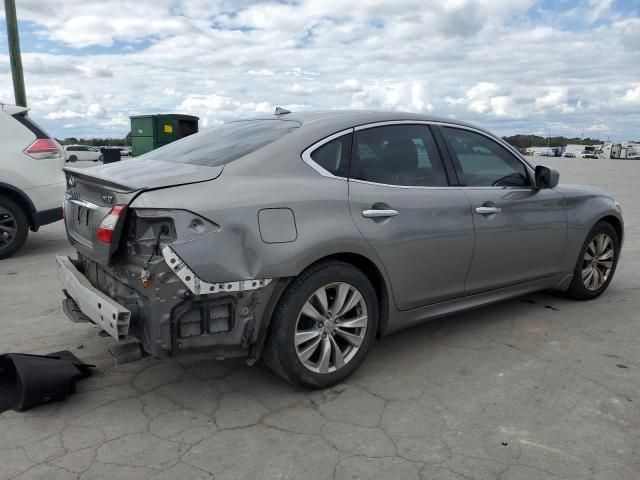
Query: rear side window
(334, 156)
(223, 144)
(398, 155)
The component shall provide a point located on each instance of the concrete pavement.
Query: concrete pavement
(535, 388)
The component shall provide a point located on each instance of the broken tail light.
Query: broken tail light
(43, 148)
(109, 223)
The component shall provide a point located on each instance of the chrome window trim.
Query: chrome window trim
(366, 182)
(306, 154)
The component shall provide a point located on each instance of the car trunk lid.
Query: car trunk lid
(93, 193)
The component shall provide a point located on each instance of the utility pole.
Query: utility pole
(14, 52)
(549, 139)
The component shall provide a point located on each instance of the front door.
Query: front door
(401, 201)
(520, 231)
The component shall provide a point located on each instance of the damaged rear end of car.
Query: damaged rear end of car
(128, 278)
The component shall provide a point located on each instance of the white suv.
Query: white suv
(73, 153)
(32, 183)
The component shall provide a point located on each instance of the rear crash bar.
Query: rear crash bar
(199, 287)
(109, 315)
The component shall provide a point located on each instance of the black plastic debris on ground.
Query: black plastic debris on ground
(27, 381)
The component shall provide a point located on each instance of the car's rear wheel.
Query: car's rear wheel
(596, 264)
(99, 159)
(73, 158)
(323, 327)
(14, 227)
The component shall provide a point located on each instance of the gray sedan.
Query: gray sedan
(300, 238)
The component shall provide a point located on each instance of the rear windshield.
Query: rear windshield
(223, 144)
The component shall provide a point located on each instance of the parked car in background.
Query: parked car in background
(31, 179)
(303, 237)
(125, 151)
(74, 153)
(569, 155)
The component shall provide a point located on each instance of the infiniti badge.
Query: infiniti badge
(107, 198)
(71, 181)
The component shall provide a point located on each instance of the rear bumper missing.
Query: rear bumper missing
(109, 315)
(166, 314)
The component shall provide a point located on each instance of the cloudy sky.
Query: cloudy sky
(514, 66)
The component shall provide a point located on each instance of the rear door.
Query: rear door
(402, 203)
(520, 231)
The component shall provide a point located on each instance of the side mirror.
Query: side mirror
(546, 177)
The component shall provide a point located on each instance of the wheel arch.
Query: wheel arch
(616, 223)
(375, 276)
(20, 198)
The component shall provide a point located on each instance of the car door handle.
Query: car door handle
(379, 213)
(488, 210)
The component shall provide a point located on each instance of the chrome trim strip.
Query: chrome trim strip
(306, 155)
(82, 203)
(366, 182)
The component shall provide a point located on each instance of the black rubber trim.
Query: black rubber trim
(30, 124)
(46, 217)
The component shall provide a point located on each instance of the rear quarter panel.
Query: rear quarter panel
(237, 251)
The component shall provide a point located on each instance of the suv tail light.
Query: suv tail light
(109, 223)
(43, 148)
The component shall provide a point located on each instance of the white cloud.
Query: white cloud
(485, 61)
(409, 96)
(632, 96)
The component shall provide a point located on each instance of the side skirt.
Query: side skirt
(403, 319)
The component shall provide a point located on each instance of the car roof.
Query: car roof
(343, 119)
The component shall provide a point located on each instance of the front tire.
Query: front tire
(14, 227)
(323, 327)
(596, 264)
(72, 159)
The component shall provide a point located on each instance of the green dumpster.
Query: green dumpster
(149, 132)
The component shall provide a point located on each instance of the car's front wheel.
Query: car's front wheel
(597, 262)
(14, 227)
(72, 159)
(323, 326)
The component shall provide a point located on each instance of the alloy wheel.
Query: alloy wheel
(331, 327)
(597, 262)
(8, 228)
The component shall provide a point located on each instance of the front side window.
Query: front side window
(398, 155)
(483, 162)
(334, 155)
(223, 144)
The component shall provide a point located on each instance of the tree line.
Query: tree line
(525, 141)
(96, 142)
(518, 141)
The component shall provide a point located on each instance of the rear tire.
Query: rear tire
(596, 264)
(72, 159)
(339, 341)
(99, 159)
(14, 227)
